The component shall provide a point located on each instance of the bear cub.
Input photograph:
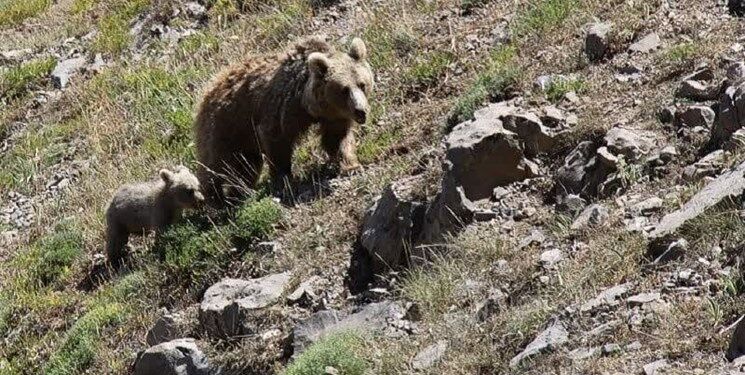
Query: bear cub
(149, 206)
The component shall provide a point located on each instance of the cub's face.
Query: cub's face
(183, 186)
(345, 80)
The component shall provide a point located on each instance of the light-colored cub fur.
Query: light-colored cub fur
(149, 206)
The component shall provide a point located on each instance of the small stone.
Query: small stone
(655, 367)
(580, 354)
(551, 338)
(65, 69)
(611, 349)
(593, 216)
(647, 44)
(643, 298)
(429, 356)
(491, 305)
(552, 116)
(551, 258)
(648, 206)
(675, 250)
(636, 345)
(666, 115)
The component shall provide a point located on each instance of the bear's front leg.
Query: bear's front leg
(280, 170)
(338, 141)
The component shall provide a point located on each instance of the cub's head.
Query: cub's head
(183, 186)
(341, 83)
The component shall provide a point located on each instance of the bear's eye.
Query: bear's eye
(363, 87)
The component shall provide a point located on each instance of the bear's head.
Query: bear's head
(183, 187)
(340, 83)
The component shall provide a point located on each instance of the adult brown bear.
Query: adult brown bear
(261, 107)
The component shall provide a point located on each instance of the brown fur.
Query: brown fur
(148, 206)
(264, 104)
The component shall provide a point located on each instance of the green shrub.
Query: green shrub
(16, 81)
(13, 12)
(52, 256)
(339, 351)
(541, 16)
(81, 341)
(428, 70)
(192, 252)
(255, 219)
(560, 87)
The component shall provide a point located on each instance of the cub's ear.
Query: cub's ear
(358, 50)
(166, 176)
(318, 64)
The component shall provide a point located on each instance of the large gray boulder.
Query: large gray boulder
(597, 40)
(177, 357)
(536, 138)
(727, 186)
(481, 155)
(371, 318)
(227, 306)
(392, 224)
(584, 171)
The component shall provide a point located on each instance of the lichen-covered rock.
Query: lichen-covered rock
(227, 305)
(392, 224)
(551, 338)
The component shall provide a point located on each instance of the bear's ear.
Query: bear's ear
(166, 176)
(318, 63)
(358, 50)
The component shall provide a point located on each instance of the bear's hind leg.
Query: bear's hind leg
(116, 242)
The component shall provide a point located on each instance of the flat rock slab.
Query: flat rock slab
(647, 44)
(552, 337)
(643, 298)
(606, 297)
(727, 186)
(226, 304)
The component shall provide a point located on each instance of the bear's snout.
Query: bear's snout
(360, 116)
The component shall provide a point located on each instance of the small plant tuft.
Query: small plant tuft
(339, 350)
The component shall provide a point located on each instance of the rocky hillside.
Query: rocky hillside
(549, 186)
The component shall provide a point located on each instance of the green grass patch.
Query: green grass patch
(680, 54)
(340, 351)
(82, 340)
(388, 41)
(35, 150)
(256, 219)
(281, 20)
(159, 108)
(199, 42)
(82, 6)
(51, 258)
(541, 16)
(17, 81)
(560, 87)
(499, 77)
(113, 30)
(429, 69)
(13, 12)
(197, 250)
